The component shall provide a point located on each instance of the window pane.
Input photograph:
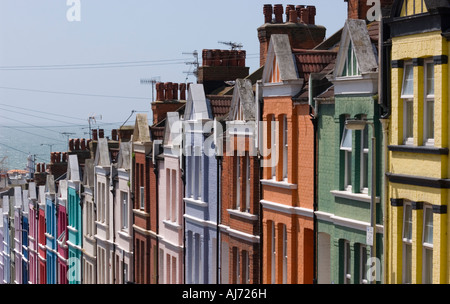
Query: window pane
(428, 232)
(430, 119)
(407, 225)
(408, 82)
(409, 109)
(348, 166)
(407, 271)
(428, 267)
(430, 78)
(346, 139)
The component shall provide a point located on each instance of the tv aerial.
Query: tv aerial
(233, 45)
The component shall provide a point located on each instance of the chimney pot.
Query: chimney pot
(58, 157)
(182, 91)
(278, 10)
(169, 92)
(304, 15)
(175, 91)
(293, 16)
(94, 134)
(71, 144)
(101, 133)
(38, 167)
(113, 136)
(83, 144)
(159, 91)
(64, 157)
(312, 14)
(77, 144)
(268, 11)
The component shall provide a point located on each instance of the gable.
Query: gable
(413, 7)
(172, 131)
(102, 154)
(197, 105)
(73, 170)
(356, 55)
(243, 102)
(280, 65)
(141, 130)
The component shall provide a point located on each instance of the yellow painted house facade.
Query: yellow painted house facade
(418, 168)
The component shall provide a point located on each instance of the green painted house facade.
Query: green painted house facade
(344, 182)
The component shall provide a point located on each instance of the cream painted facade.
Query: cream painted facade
(418, 171)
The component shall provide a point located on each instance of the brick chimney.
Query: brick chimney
(169, 98)
(299, 26)
(219, 66)
(357, 9)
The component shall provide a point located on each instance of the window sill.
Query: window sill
(279, 184)
(170, 224)
(195, 202)
(124, 235)
(140, 212)
(245, 215)
(354, 196)
(418, 149)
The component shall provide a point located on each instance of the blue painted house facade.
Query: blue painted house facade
(6, 279)
(25, 231)
(201, 208)
(75, 223)
(50, 233)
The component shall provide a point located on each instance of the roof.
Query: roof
(220, 104)
(50, 184)
(312, 61)
(88, 176)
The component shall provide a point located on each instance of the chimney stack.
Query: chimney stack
(303, 34)
(357, 9)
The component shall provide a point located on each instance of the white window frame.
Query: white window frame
(246, 267)
(285, 254)
(238, 182)
(363, 264)
(285, 148)
(347, 160)
(124, 205)
(247, 181)
(407, 244)
(274, 147)
(141, 198)
(351, 63)
(427, 246)
(364, 170)
(408, 100)
(347, 263)
(428, 98)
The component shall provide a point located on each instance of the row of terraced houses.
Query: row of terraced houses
(328, 164)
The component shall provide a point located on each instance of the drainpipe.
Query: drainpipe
(182, 159)
(113, 175)
(219, 196)
(314, 120)
(156, 172)
(259, 110)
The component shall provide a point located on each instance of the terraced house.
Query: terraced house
(345, 197)
(418, 170)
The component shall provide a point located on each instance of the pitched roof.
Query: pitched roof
(280, 50)
(220, 104)
(50, 184)
(88, 174)
(312, 61)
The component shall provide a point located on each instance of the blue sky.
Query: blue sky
(37, 34)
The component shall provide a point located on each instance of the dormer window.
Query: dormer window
(351, 67)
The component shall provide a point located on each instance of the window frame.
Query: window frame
(407, 244)
(408, 101)
(427, 247)
(348, 151)
(347, 262)
(364, 170)
(427, 99)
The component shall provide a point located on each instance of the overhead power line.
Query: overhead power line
(73, 93)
